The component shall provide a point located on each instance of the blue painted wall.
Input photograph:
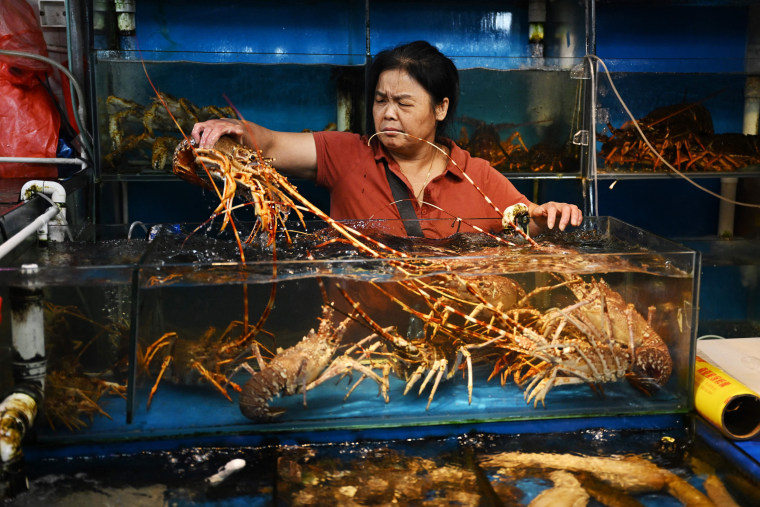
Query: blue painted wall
(672, 38)
(475, 33)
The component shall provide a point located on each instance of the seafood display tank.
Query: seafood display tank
(154, 330)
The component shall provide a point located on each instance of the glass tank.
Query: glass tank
(693, 119)
(599, 466)
(83, 289)
(731, 271)
(519, 120)
(170, 333)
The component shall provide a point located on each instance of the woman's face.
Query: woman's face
(401, 104)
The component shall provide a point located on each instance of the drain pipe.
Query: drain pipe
(55, 215)
(19, 409)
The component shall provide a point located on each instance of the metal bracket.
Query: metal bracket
(580, 71)
(52, 13)
(580, 138)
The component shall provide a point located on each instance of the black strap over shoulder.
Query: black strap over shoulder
(404, 205)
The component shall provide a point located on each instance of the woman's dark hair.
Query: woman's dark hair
(435, 72)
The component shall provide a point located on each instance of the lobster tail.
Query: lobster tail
(257, 393)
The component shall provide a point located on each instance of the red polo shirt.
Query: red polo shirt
(355, 176)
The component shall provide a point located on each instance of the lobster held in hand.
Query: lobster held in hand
(240, 170)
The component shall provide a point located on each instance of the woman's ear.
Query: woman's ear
(441, 109)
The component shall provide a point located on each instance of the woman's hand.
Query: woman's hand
(545, 215)
(295, 152)
(207, 133)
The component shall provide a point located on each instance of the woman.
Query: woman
(416, 89)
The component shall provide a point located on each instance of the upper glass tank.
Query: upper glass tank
(685, 72)
(301, 67)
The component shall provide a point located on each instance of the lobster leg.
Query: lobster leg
(153, 390)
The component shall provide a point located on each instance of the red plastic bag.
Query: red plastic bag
(29, 120)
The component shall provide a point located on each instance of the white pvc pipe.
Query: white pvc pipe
(44, 160)
(727, 210)
(751, 105)
(17, 413)
(28, 323)
(57, 194)
(27, 231)
(52, 188)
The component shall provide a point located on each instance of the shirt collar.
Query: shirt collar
(457, 154)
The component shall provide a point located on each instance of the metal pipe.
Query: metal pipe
(76, 44)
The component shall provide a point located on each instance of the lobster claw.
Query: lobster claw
(517, 216)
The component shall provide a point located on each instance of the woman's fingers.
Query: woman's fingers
(549, 212)
(207, 133)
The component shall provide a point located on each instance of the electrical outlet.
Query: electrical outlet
(52, 13)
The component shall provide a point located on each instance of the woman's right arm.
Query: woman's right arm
(294, 153)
